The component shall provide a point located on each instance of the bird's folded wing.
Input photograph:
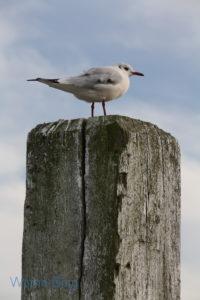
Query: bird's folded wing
(94, 78)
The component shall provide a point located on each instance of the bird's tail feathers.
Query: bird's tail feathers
(44, 80)
(36, 79)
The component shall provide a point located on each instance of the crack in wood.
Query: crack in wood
(83, 140)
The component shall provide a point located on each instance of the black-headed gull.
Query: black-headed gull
(96, 85)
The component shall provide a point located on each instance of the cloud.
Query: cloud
(167, 26)
(12, 157)
(12, 195)
(190, 283)
(190, 188)
(11, 243)
(13, 17)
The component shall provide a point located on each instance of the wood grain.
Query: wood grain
(102, 210)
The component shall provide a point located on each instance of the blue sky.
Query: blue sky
(55, 38)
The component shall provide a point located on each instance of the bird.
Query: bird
(98, 84)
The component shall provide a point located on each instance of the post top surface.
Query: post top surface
(127, 123)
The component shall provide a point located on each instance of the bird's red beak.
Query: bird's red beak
(137, 73)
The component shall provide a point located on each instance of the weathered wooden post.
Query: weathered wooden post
(102, 211)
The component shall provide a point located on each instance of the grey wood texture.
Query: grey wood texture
(102, 211)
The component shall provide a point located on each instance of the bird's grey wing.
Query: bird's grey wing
(94, 78)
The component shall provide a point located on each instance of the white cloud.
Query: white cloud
(13, 17)
(12, 157)
(11, 228)
(12, 195)
(190, 191)
(8, 33)
(11, 243)
(170, 26)
(190, 283)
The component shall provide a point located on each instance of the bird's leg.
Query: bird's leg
(104, 107)
(92, 109)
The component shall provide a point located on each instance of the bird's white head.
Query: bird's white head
(127, 69)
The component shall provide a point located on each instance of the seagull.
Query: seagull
(100, 84)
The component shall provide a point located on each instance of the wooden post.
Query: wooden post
(102, 211)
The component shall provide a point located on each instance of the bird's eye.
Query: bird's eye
(126, 68)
